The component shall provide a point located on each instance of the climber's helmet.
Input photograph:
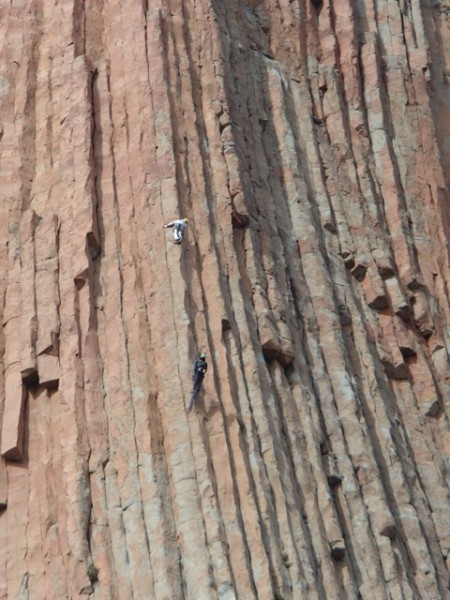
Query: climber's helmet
(203, 355)
(185, 220)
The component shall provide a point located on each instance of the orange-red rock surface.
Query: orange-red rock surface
(308, 144)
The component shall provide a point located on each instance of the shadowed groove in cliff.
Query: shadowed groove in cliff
(98, 461)
(357, 43)
(195, 263)
(374, 440)
(274, 155)
(297, 475)
(368, 411)
(243, 274)
(187, 261)
(362, 79)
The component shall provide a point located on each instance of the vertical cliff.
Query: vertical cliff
(308, 144)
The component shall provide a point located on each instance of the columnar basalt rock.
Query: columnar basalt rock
(308, 144)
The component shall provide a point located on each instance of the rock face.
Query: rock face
(308, 144)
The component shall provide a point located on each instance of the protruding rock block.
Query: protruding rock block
(440, 359)
(407, 350)
(331, 469)
(81, 278)
(328, 221)
(226, 325)
(13, 417)
(376, 297)
(337, 548)
(269, 337)
(422, 313)
(399, 301)
(426, 388)
(48, 369)
(384, 265)
(432, 407)
(349, 259)
(392, 359)
(270, 348)
(389, 531)
(344, 315)
(374, 290)
(395, 369)
(403, 311)
(378, 302)
(274, 348)
(334, 480)
(239, 216)
(239, 220)
(424, 324)
(286, 356)
(30, 375)
(359, 270)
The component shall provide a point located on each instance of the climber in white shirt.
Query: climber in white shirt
(179, 226)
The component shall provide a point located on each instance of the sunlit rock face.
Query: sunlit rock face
(307, 142)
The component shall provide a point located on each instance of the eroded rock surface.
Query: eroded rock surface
(308, 144)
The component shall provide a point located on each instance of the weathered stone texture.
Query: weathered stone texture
(308, 143)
